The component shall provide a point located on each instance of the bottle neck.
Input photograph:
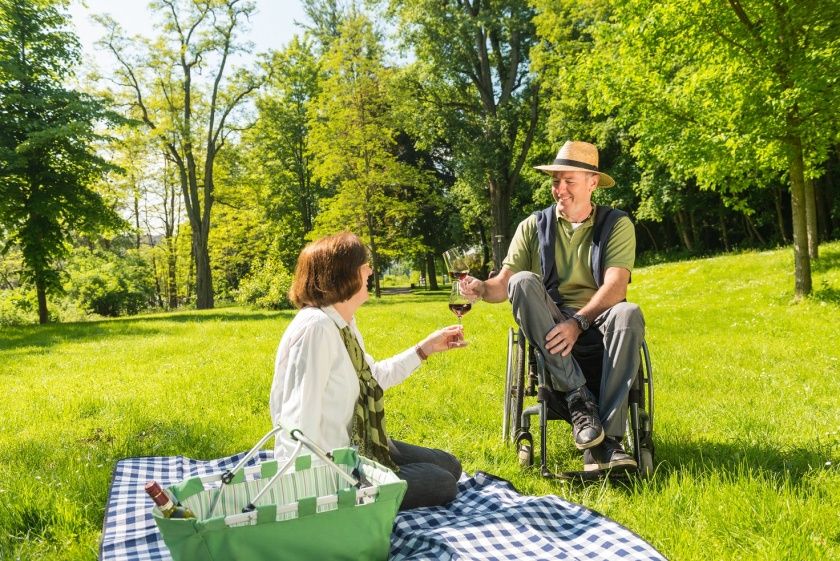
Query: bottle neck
(159, 496)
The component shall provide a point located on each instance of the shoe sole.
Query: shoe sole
(592, 443)
(627, 464)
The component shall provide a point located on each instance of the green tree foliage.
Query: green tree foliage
(563, 60)
(240, 236)
(192, 119)
(48, 134)
(266, 286)
(437, 223)
(327, 17)
(353, 144)
(109, 283)
(729, 95)
(280, 163)
(474, 93)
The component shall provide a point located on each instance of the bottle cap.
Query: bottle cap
(154, 490)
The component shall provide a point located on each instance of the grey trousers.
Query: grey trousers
(432, 475)
(622, 326)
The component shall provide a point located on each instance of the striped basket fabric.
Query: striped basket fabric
(302, 509)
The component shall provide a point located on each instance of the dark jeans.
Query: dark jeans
(432, 475)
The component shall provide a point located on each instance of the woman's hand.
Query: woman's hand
(451, 337)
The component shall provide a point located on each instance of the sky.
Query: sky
(271, 27)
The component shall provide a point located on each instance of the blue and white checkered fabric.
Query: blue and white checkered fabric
(488, 520)
(129, 531)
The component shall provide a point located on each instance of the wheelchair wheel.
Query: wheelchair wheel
(639, 432)
(525, 449)
(508, 384)
(514, 386)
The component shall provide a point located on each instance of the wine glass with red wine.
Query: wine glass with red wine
(456, 263)
(458, 303)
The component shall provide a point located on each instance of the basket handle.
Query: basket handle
(301, 440)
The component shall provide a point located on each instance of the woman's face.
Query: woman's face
(362, 295)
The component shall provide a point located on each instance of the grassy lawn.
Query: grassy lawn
(747, 409)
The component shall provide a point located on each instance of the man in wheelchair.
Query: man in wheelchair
(566, 270)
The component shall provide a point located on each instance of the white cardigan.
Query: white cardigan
(315, 385)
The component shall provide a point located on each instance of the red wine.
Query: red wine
(460, 275)
(460, 309)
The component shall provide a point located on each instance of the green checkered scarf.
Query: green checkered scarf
(369, 416)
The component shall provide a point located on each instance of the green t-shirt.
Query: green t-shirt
(572, 250)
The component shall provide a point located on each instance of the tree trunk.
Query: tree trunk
(650, 235)
(748, 231)
(724, 233)
(780, 217)
(191, 274)
(695, 231)
(500, 207)
(171, 266)
(801, 258)
(158, 287)
(811, 219)
(41, 289)
(754, 233)
(203, 281)
(824, 207)
(682, 230)
(374, 256)
(431, 272)
(136, 218)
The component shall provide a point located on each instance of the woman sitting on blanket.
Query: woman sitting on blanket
(326, 385)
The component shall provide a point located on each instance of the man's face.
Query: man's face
(573, 189)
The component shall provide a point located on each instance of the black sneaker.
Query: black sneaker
(586, 425)
(608, 455)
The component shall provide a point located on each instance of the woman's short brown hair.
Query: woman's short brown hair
(327, 271)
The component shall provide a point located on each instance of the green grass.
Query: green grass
(747, 410)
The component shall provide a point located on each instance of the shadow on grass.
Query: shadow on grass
(45, 336)
(829, 259)
(827, 294)
(699, 460)
(733, 458)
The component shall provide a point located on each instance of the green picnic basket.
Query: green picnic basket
(342, 507)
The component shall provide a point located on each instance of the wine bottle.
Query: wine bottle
(168, 508)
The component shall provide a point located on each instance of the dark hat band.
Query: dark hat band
(575, 163)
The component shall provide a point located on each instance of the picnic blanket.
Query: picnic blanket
(488, 520)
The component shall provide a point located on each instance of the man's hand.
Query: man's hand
(562, 337)
(472, 288)
(492, 290)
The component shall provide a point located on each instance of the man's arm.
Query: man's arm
(613, 291)
(491, 290)
(563, 336)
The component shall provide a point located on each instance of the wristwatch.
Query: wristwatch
(582, 322)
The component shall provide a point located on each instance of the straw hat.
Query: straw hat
(578, 156)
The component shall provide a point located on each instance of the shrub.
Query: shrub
(266, 286)
(18, 306)
(109, 284)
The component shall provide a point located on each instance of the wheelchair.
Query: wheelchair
(526, 376)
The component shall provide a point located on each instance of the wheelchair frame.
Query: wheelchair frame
(516, 422)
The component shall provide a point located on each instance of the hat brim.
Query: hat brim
(604, 180)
